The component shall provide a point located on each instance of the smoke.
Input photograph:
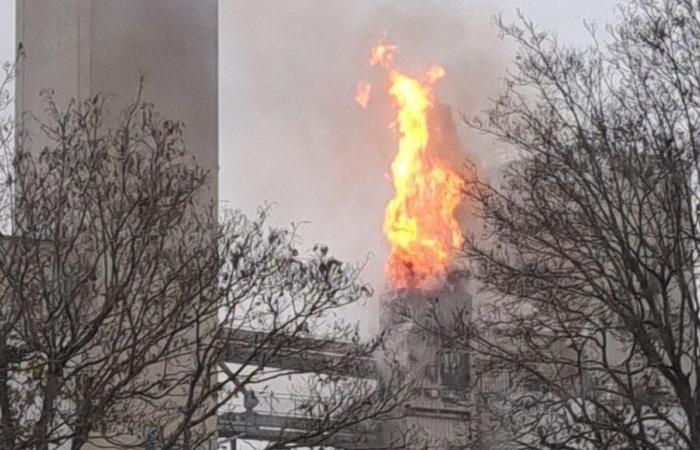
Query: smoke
(292, 134)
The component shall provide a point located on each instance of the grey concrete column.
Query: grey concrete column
(80, 48)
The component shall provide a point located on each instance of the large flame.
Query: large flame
(420, 220)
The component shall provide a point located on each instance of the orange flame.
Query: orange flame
(419, 221)
(382, 54)
(362, 94)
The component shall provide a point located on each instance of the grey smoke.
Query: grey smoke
(291, 133)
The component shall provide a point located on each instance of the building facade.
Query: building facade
(166, 51)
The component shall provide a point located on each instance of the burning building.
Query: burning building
(428, 291)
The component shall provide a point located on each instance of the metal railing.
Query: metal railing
(283, 405)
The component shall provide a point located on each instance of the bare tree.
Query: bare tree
(123, 292)
(588, 338)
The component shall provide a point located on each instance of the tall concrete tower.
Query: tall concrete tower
(439, 416)
(79, 48)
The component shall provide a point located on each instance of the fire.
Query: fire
(419, 221)
(382, 54)
(362, 94)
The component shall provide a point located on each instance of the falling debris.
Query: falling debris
(362, 93)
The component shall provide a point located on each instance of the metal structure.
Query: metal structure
(280, 417)
(437, 412)
(286, 425)
(300, 354)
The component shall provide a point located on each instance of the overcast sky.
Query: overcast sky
(7, 29)
(290, 131)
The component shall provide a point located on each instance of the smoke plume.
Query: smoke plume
(292, 133)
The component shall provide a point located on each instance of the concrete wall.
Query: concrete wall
(79, 48)
(440, 409)
(82, 47)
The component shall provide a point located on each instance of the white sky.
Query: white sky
(7, 29)
(290, 131)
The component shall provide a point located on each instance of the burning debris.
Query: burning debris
(362, 94)
(420, 220)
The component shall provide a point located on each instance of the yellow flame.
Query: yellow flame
(382, 54)
(420, 220)
(362, 94)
